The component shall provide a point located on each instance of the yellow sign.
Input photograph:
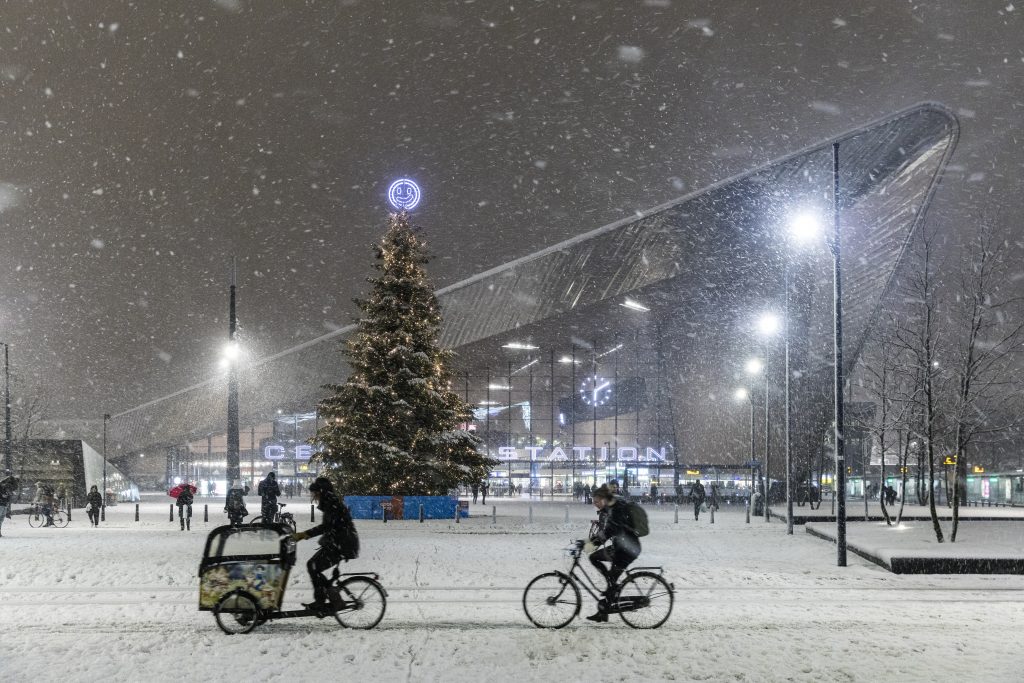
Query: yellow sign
(693, 472)
(978, 470)
(950, 460)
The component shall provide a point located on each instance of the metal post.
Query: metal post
(789, 463)
(136, 512)
(531, 513)
(172, 511)
(494, 514)
(677, 514)
(421, 513)
(510, 442)
(7, 409)
(206, 512)
(750, 397)
(837, 303)
(767, 441)
(233, 467)
(103, 507)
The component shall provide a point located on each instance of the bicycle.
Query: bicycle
(643, 598)
(244, 591)
(280, 517)
(37, 517)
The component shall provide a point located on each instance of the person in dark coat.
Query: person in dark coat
(475, 488)
(93, 502)
(615, 527)
(8, 485)
(484, 488)
(268, 491)
(697, 497)
(185, 500)
(339, 541)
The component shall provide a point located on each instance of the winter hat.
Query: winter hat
(271, 475)
(603, 492)
(321, 485)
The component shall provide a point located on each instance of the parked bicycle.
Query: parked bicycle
(642, 598)
(280, 517)
(37, 517)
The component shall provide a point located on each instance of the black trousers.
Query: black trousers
(618, 558)
(322, 560)
(94, 514)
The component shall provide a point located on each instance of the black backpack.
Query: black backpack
(638, 519)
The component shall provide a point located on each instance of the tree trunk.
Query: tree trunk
(960, 475)
(881, 476)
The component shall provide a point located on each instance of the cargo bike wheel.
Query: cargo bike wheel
(358, 602)
(237, 612)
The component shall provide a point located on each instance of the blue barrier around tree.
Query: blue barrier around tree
(403, 507)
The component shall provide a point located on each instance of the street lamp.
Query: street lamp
(7, 409)
(768, 325)
(803, 227)
(103, 507)
(837, 305)
(233, 467)
(742, 394)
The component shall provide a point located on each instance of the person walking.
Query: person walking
(93, 503)
(268, 491)
(484, 486)
(8, 485)
(44, 499)
(185, 499)
(697, 495)
(475, 488)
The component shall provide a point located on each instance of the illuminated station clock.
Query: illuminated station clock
(596, 391)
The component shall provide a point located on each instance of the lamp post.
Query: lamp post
(103, 507)
(743, 394)
(768, 325)
(233, 466)
(7, 408)
(837, 305)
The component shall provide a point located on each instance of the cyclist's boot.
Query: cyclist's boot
(600, 616)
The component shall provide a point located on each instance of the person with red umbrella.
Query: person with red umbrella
(185, 495)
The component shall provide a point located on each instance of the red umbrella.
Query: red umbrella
(176, 491)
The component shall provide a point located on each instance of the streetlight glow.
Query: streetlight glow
(754, 366)
(741, 394)
(769, 324)
(805, 226)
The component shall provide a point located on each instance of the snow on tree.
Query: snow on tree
(396, 427)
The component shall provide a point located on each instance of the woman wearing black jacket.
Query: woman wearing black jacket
(339, 541)
(94, 501)
(613, 524)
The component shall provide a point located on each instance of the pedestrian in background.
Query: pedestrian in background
(8, 485)
(697, 498)
(93, 503)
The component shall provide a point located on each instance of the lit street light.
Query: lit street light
(768, 325)
(742, 394)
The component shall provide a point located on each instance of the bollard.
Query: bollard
(384, 514)
(712, 509)
(494, 514)
(748, 512)
(103, 513)
(136, 512)
(457, 515)
(69, 511)
(531, 514)
(172, 512)
(312, 512)
(206, 512)
(421, 513)
(677, 513)
(566, 514)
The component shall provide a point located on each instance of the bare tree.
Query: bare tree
(918, 339)
(882, 364)
(989, 331)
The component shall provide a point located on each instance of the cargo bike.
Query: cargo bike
(244, 573)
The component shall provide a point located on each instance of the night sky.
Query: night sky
(145, 144)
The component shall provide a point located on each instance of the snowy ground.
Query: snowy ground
(989, 539)
(855, 511)
(118, 603)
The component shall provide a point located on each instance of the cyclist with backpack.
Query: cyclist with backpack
(339, 541)
(615, 526)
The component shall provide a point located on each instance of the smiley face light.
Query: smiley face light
(404, 194)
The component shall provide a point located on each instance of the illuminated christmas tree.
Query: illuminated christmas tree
(396, 427)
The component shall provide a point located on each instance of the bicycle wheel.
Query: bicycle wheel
(364, 603)
(258, 520)
(237, 613)
(551, 600)
(60, 518)
(644, 600)
(36, 518)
